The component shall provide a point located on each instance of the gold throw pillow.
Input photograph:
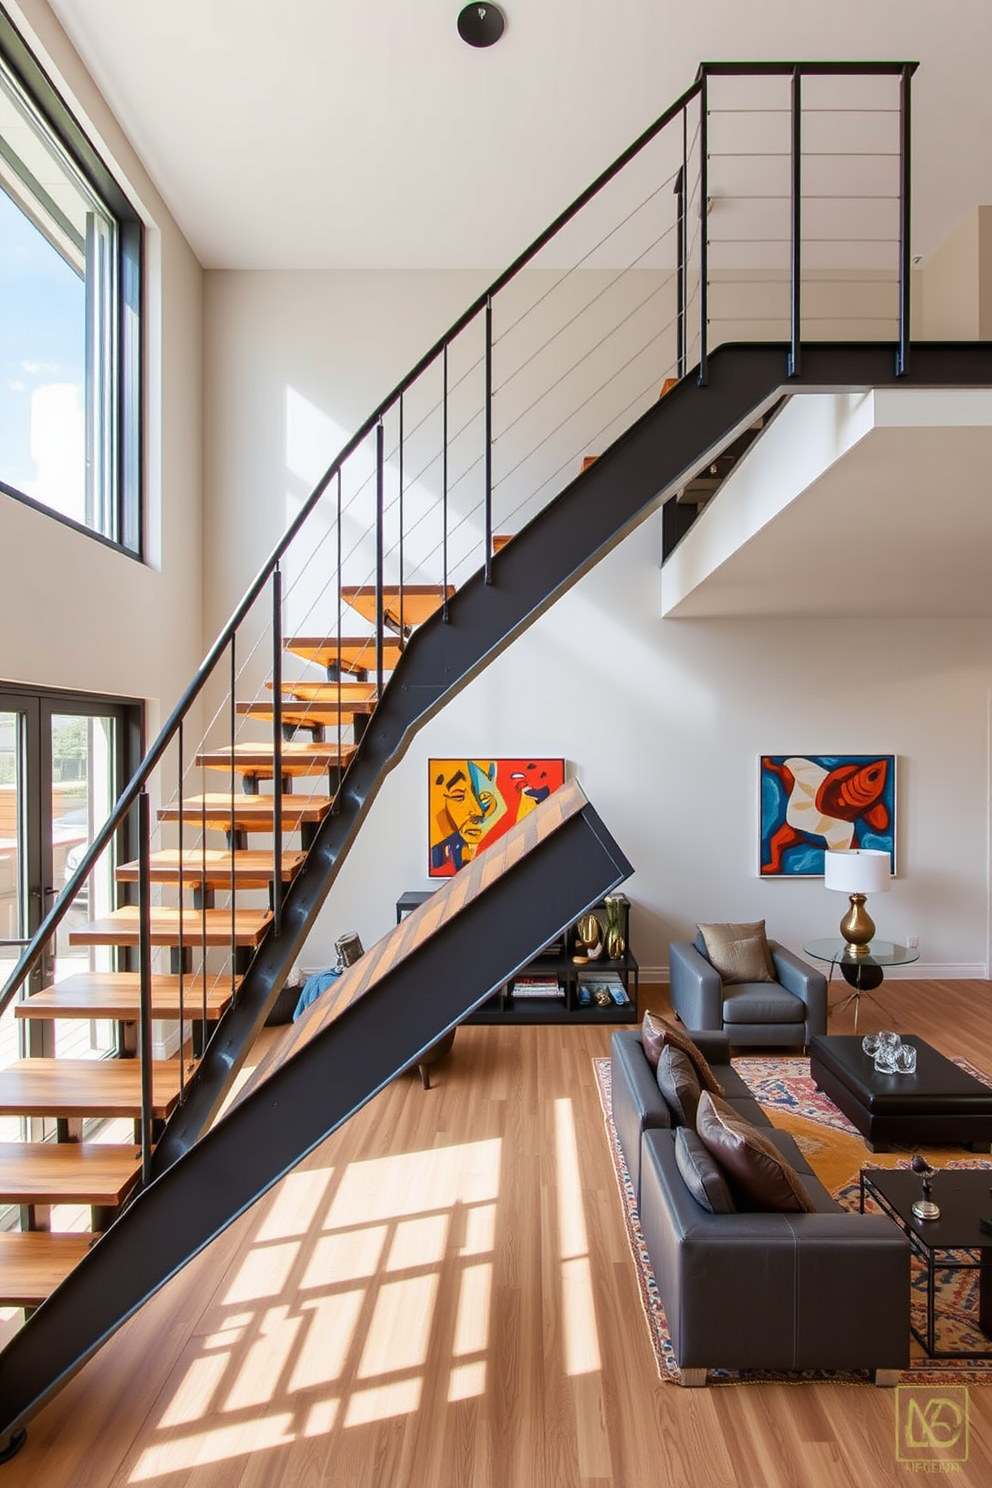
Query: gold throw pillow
(738, 952)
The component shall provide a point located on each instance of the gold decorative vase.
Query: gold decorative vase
(857, 926)
(588, 940)
(615, 943)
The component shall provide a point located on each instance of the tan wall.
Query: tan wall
(957, 283)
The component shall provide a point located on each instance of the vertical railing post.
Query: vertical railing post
(444, 487)
(234, 834)
(145, 983)
(277, 750)
(181, 952)
(203, 897)
(337, 670)
(703, 227)
(795, 288)
(380, 553)
(489, 439)
(905, 204)
(680, 240)
(401, 518)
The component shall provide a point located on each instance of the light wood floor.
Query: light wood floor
(443, 1297)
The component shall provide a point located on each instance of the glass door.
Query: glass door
(15, 921)
(64, 760)
(82, 780)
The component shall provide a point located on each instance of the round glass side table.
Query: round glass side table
(863, 973)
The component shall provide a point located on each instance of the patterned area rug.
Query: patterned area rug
(836, 1153)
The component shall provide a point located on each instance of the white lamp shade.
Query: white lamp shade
(857, 871)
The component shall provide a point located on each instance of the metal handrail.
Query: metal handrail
(203, 673)
(481, 305)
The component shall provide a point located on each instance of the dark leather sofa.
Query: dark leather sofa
(779, 1291)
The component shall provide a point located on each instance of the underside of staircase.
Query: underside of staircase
(382, 1013)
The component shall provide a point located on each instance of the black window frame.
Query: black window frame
(128, 456)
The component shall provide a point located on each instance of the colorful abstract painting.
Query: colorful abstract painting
(472, 803)
(812, 802)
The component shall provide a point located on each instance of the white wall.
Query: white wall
(74, 613)
(662, 721)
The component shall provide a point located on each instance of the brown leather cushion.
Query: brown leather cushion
(679, 1084)
(656, 1033)
(758, 1175)
(701, 1174)
(739, 953)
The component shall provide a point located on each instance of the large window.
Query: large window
(70, 257)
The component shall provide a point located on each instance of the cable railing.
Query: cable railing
(770, 201)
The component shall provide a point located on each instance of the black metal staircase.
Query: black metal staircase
(470, 452)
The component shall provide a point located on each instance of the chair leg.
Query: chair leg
(693, 1379)
(886, 1379)
(425, 1075)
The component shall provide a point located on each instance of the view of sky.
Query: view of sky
(42, 355)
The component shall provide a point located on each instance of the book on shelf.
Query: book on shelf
(537, 986)
(591, 982)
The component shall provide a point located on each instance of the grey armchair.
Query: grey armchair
(785, 1013)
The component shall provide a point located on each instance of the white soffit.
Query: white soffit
(864, 505)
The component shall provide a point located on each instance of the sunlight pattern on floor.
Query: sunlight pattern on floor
(356, 1279)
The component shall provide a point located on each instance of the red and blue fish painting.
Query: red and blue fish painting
(814, 802)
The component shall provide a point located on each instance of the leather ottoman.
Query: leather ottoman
(939, 1105)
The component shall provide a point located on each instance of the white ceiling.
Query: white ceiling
(364, 133)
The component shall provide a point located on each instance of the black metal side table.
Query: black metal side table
(954, 1242)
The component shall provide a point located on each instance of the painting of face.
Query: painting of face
(811, 803)
(473, 802)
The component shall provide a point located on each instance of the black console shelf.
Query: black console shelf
(558, 988)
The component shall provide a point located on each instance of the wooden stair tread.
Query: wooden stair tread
(500, 541)
(33, 1263)
(356, 653)
(329, 692)
(419, 601)
(308, 715)
(252, 867)
(85, 1087)
(117, 994)
(298, 758)
(67, 1173)
(248, 812)
(122, 927)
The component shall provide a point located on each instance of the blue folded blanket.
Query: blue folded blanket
(313, 987)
